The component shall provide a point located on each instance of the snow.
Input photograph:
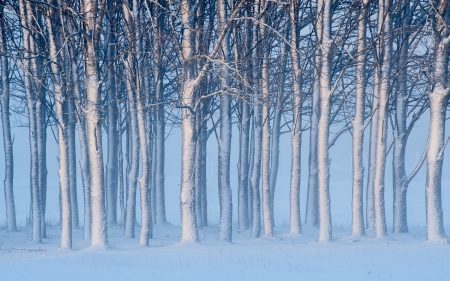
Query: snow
(282, 257)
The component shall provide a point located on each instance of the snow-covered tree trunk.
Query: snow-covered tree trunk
(384, 47)
(24, 10)
(63, 141)
(144, 180)
(6, 127)
(198, 167)
(203, 138)
(134, 147)
(93, 19)
(265, 156)
(370, 216)
(112, 122)
(296, 131)
(325, 233)
(358, 228)
(312, 207)
(400, 179)
(438, 105)
(72, 161)
(276, 132)
(189, 231)
(255, 174)
(226, 207)
(159, 126)
(244, 132)
(82, 136)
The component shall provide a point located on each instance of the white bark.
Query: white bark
(324, 126)
(358, 228)
(226, 207)
(438, 105)
(82, 135)
(189, 231)
(244, 133)
(296, 131)
(6, 127)
(265, 157)
(63, 142)
(159, 132)
(99, 235)
(31, 106)
(384, 47)
(112, 158)
(312, 208)
(400, 179)
(144, 181)
(131, 89)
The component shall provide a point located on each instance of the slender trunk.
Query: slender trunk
(99, 236)
(312, 208)
(296, 131)
(380, 163)
(6, 126)
(159, 135)
(257, 137)
(358, 228)
(63, 141)
(112, 158)
(31, 106)
(325, 233)
(226, 207)
(400, 179)
(82, 135)
(435, 149)
(189, 230)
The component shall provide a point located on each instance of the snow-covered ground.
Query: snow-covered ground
(283, 257)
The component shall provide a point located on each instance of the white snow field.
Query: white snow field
(283, 257)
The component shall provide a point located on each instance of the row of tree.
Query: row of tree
(129, 69)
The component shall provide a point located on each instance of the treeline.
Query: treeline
(128, 70)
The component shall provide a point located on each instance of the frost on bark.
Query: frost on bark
(144, 180)
(265, 157)
(6, 127)
(91, 31)
(159, 123)
(82, 136)
(63, 141)
(384, 51)
(312, 208)
(438, 105)
(189, 231)
(400, 179)
(131, 90)
(226, 207)
(112, 122)
(324, 124)
(296, 131)
(358, 228)
(255, 173)
(244, 135)
(28, 64)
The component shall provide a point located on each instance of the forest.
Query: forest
(113, 78)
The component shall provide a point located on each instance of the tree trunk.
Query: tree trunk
(296, 131)
(358, 228)
(25, 14)
(63, 141)
(99, 235)
(384, 47)
(324, 127)
(6, 126)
